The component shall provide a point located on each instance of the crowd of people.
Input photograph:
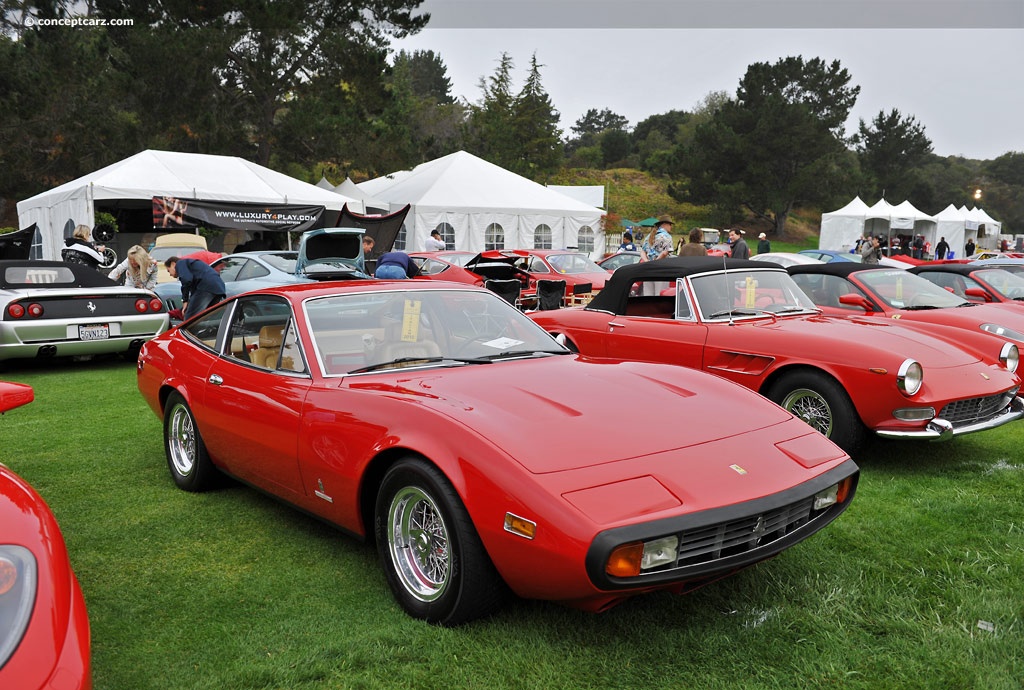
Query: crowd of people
(659, 243)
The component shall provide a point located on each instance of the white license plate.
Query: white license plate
(101, 332)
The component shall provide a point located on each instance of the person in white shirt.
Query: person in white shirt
(435, 243)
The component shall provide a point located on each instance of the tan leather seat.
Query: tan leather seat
(269, 347)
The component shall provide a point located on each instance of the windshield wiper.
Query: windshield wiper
(922, 307)
(525, 353)
(425, 360)
(741, 312)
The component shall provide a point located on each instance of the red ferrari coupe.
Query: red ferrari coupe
(439, 421)
(975, 283)
(886, 294)
(748, 321)
(44, 630)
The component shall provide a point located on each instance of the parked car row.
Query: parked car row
(394, 410)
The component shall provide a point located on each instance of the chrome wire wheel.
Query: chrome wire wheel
(181, 441)
(418, 543)
(811, 407)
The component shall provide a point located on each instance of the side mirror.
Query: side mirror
(14, 395)
(851, 299)
(978, 293)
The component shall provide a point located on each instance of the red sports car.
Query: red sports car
(575, 268)
(44, 630)
(975, 283)
(439, 421)
(885, 293)
(749, 322)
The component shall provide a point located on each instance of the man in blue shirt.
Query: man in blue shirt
(395, 265)
(201, 286)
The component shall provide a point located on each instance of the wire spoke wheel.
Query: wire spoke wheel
(812, 408)
(181, 440)
(419, 543)
(187, 459)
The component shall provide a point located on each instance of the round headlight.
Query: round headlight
(910, 377)
(1009, 356)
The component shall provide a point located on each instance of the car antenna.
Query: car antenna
(725, 277)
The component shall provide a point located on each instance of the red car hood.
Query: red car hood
(840, 339)
(549, 426)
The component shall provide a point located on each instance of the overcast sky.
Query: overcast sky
(964, 85)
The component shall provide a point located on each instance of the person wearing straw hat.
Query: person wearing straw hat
(763, 245)
(659, 242)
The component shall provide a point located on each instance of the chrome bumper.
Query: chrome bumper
(941, 430)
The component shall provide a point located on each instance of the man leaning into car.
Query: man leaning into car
(201, 285)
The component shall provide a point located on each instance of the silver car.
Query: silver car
(55, 309)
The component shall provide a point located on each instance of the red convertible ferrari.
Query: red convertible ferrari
(44, 630)
(886, 294)
(748, 321)
(437, 420)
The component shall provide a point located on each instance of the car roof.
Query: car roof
(616, 289)
(325, 288)
(835, 268)
(961, 269)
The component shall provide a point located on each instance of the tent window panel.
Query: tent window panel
(542, 237)
(447, 233)
(494, 237)
(399, 240)
(585, 241)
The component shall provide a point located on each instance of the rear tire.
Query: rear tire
(187, 459)
(822, 403)
(435, 564)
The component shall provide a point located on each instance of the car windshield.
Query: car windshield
(460, 259)
(902, 290)
(738, 294)
(282, 262)
(573, 263)
(371, 331)
(163, 253)
(1010, 285)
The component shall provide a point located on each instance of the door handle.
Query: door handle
(616, 325)
(215, 380)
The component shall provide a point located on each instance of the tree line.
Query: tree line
(312, 88)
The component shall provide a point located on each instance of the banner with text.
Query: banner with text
(172, 213)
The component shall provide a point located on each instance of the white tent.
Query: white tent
(351, 190)
(166, 173)
(840, 229)
(951, 223)
(478, 205)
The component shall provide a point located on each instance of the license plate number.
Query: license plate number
(101, 332)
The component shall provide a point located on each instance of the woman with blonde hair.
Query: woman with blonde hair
(80, 249)
(139, 270)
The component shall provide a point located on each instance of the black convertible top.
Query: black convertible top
(616, 290)
(836, 268)
(959, 269)
(21, 275)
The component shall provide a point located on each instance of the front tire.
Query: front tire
(822, 403)
(187, 458)
(435, 564)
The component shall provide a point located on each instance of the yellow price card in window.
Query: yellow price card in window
(411, 320)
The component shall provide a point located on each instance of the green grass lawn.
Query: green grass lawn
(233, 590)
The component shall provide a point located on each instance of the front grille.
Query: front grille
(714, 542)
(973, 410)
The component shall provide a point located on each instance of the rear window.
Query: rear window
(49, 275)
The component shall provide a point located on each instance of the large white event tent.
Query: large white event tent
(477, 206)
(841, 229)
(153, 173)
